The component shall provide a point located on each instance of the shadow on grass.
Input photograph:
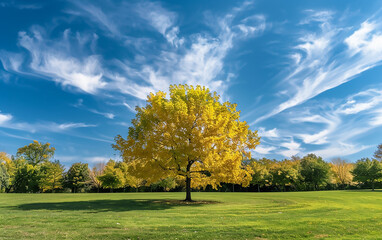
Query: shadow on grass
(111, 205)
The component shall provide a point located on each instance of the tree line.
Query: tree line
(33, 169)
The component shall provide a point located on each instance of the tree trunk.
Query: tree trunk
(188, 189)
(111, 189)
(372, 185)
(258, 187)
(188, 181)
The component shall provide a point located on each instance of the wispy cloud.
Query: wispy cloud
(54, 59)
(80, 105)
(320, 66)
(8, 121)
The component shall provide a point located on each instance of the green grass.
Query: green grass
(294, 215)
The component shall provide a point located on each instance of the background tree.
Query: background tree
(36, 152)
(4, 178)
(314, 171)
(367, 171)
(112, 176)
(26, 178)
(284, 173)
(191, 134)
(94, 173)
(260, 175)
(378, 153)
(51, 176)
(166, 184)
(77, 177)
(341, 171)
(10, 168)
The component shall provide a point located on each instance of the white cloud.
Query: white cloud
(272, 133)
(362, 101)
(54, 60)
(322, 68)
(339, 149)
(66, 126)
(264, 150)
(7, 121)
(5, 118)
(292, 147)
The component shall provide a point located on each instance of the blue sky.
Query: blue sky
(306, 74)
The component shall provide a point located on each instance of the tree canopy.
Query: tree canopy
(36, 152)
(314, 170)
(367, 171)
(192, 135)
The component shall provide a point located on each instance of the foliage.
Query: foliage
(112, 176)
(192, 135)
(4, 178)
(77, 177)
(51, 176)
(284, 173)
(36, 152)
(367, 171)
(166, 184)
(94, 173)
(26, 178)
(260, 174)
(314, 171)
(341, 170)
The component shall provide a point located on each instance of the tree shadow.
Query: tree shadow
(110, 205)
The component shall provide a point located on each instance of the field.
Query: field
(294, 215)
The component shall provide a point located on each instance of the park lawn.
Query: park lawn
(288, 215)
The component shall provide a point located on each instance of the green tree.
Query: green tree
(367, 171)
(112, 176)
(4, 178)
(283, 174)
(260, 174)
(192, 135)
(26, 178)
(36, 152)
(314, 171)
(378, 153)
(9, 165)
(51, 176)
(77, 177)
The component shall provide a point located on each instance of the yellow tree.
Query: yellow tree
(342, 171)
(191, 135)
(9, 165)
(36, 152)
(94, 173)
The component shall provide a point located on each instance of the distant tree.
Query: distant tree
(130, 180)
(77, 177)
(4, 178)
(314, 171)
(36, 152)
(367, 171)
(192, 135)
(51, 176)
(283, 174)
(10, 168)
(112, 176)
(166, 184)
(26, 178)
(94, 173)
(341, 171)
(378, 153)
(260, 174)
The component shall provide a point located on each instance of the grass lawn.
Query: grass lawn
(294, 215)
